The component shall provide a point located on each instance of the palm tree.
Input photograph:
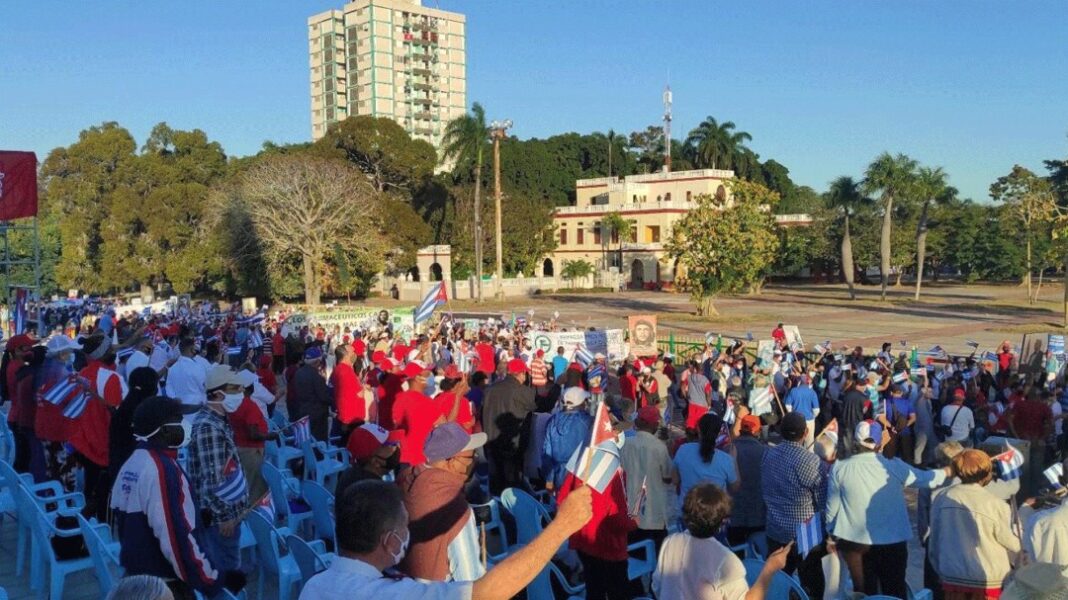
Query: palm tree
(464, 140)
(930, 187)
(845, 196)
(576, 269)
(714, 145)
(621, 227)
(893, 176)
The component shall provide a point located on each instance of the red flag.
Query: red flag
(602, 426)
(442, 296)
(18, 185)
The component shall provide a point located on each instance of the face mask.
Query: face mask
(187, 434)
(397, 558)
(232, 401)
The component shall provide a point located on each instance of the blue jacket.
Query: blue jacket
(156, 515)
(803, 399)
(565, 431)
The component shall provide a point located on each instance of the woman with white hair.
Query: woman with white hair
(140, 587)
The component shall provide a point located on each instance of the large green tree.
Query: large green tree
(715, 145)
(892, 177)
(846, 198)
(1030, 201)
(382, 150)
(931, 188)
(726, 246)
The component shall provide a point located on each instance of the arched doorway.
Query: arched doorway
(547, 268)
(414, 273)
(637, 274)
(435, 272)
(721, 193)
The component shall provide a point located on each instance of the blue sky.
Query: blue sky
(973, 86)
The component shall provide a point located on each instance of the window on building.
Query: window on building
(615, 236)
(634, 199)
(580, 234)
(667, 197)
(652, 234)
(689, 196)
(721, 193)
(634, 232)
(659, 199)
(563, 236)
(597, 234)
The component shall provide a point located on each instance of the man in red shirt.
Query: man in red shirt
(358, 345)
(779, 335)
(451, 400)
(1032, 420)
(250, 431)
(487, 356)
(628, 385)
(278, 351)
(89, 430)
(392, 380)
(348, 393)
(415, 414)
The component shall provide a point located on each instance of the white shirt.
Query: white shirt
(137, 360)
(1046, 538)
(161, 354)
(694, 569)
(262, 397)
(186, 381)
(964, 424)
(350, 579)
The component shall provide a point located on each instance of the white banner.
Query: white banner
(608, 342)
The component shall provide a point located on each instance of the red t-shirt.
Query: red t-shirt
(387, 395)
(487, 358)
(415, 415)
(400, 352)
(445, 400)
(267, 379)
(1030, 418)
(1004, 360)
(12, 383)
(247, 415)
(628, 386)
(360, 348)
(605, 535)
(347, 394)
(278, 345)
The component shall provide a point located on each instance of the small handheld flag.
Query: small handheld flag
(638, 509)
(597, 462)
(266, 508)
(1054, 473)
(583, 355)
(434, 298)
(723, 440)
(255, 339)
(301, 431)
(76, 406)
(232, 488)
(760, 401)
(1008, 464)
(831, 431)
(233, 351)
(809, 534)
(901, 377)
(124, 353)
(973, 343)
(21, 315)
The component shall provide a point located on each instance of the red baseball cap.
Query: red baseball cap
(414, 369)
(959, 393)
(751, 424)
(386, 365)
(377, 356)
(365, 439)
(516, 366)
(451, 372)
(540, 353)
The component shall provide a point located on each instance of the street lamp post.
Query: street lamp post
(498, 131)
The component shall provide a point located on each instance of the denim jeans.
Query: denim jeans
(223, 552)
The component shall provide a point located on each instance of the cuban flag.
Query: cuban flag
(20, 316)
(463, 361)
(730, 417)
(266, 508)
(901, 377)
(124, 353)
(301, 431)
(809, 535)
(255, 319)
(255, 339)
(1054, 473)
(760, 400)
(1007, 464)
(723, 440)
(233, 351)
(831, 431)
(62, 389)
(597, 462)
(76, 406)
(434, 298)
(973, 343)
(583, 356)
(233, 487)
(991, 356)
(638, 507)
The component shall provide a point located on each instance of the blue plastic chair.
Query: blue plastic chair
(284, 486)
(273, 559)
(922, 594)
(541, 588)
(281, 455)
(7, 441)
(645, 565)
(310, 559)
(49, 495)
(322, 509)
(782, 585)
(103, 551)
(530, 515)
(494, 526)
(44, 529)
(324, 471)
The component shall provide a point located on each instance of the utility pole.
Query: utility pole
(667, 128)
(498, 130)
(478, 222)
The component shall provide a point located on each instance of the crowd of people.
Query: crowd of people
(802, 456)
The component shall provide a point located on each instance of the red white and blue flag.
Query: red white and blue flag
(71, 393)
(266, 508)
(434, 298)
(301, 431)
(597, 462)
(809, 534)
(233, 487)
(20, 314)
(1008, 464)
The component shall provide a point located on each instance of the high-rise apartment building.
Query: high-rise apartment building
(388, 58)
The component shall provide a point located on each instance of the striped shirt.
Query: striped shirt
(465, 553)
(539, 372)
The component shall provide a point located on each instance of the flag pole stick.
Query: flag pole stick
(484, 558)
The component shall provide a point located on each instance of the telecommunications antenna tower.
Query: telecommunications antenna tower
(667, 128)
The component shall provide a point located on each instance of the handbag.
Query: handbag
(944, 431)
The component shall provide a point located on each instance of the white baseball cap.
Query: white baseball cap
(61, 343)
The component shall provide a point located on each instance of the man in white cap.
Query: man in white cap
(444, 537)
(564, 432)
